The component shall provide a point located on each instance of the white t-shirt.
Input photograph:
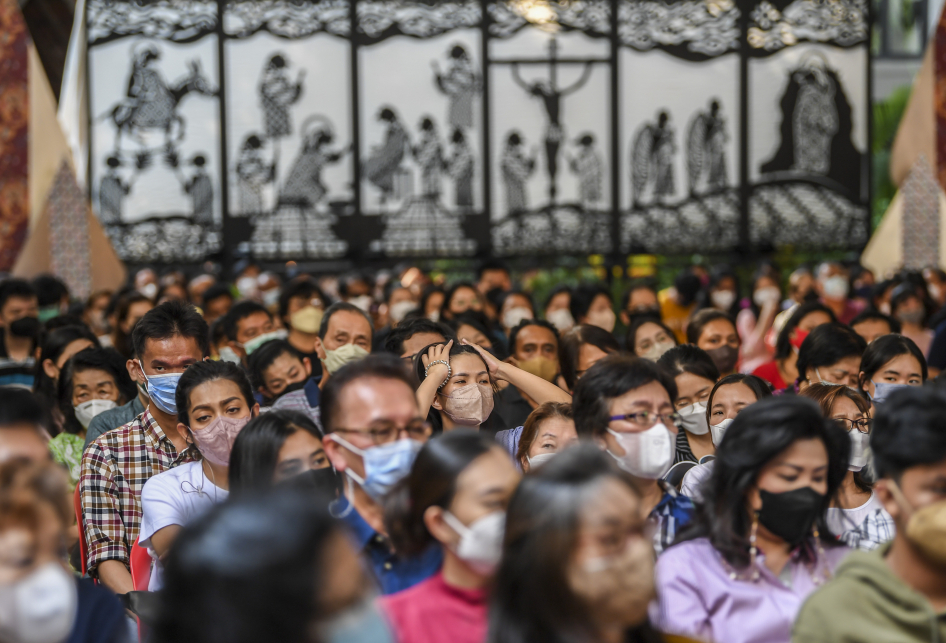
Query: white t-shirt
(865, 527)
(174, 497)
(694, 480)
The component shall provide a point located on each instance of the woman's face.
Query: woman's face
(464, 299)
(298, 303)
(94, 384)
(726, 283)
(729, 400)
(909, 305)
(717, 333)
(434, 303)
(473, 336)
(588, 356)
(692, 389)
(843, 372)
(902, 369)
(515, 301)
(23, 549)
(467, 369)
(551, 436)
(803, 464)
(301, 452)
(814, 319)
(766, 282)
(649, 334)
(558, 302)
(483, 488)
(844, 408)
(135, 312)
(214, 399)
(600, 304)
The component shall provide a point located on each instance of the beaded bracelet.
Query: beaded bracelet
(449, 371)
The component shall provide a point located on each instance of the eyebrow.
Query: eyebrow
(549, 435)
(491, 490)
(468, 374)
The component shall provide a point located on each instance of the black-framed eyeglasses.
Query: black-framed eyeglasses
(386, 432)
(863, 424)
(647, 419)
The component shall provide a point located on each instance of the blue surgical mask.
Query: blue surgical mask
(162, 389)
(360, 623)
(882, 390)
(385, 465)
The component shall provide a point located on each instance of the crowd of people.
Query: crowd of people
(388, 459)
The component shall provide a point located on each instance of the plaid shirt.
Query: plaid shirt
(114, 469)
(672, 513)
(877, 528)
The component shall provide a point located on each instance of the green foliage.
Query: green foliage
(887, 116)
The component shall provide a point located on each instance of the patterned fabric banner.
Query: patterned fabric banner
(14, 126)
(67, 211)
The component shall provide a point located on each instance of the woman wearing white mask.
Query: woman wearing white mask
(577, 563)
(591, 304)
(549, 429)
(456, 495)
(889, 363)
(856, 514)
(625, 405)
(214, 403)
(722, 291)
(456, 384)
(695, 374)
(92, 381)
(515, 306)
(650, 338)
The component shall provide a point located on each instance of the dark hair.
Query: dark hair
(10, 288)
(264, 356)
(346, 281)
(717, 274)
(826, 395)
(432, 482)
(252, 569)
(476, 319)
(49, 290)
(343, 306)
(377, 366)
(689, 359)
(168, 320)
(569, 347)
(766, 270)
(215, 291)
(121, 340)
(901, 293)
(756, 384)
(525, 323)
(909, 430)
(642, 284)
(757, 435)
(687, 285)
(102, 359)
(532, 599)
(875, 315)
(882, 350)
(394, 343)
(206, 371)
(530, 430)
(18, 406)
(826, 345)
(701, 319)
(638, 322)
(783, 344)
(491, 264)
(256, 449)
(583, 296)
(305, 287)
(428, 292)
(558, 290)
(457, 349)
(445, 308)
(608, 379)
(54, 344)
(240, 311)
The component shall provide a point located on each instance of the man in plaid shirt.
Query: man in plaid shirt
(116, 466)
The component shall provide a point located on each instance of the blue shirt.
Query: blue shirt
(100, 617)
(392, 571)
(672, 513)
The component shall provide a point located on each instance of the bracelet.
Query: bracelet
(449, 371)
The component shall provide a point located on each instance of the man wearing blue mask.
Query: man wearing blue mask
(116, 466)
(373, 430)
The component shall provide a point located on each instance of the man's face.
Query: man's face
(494, 279)
(416, 342)
(22, 441)
(345, 327)
(17, 308)
(217, 308)
(536, 341)
(871, 329)
(162, 356)
(253, 325)
(287, 369)
(921, 486)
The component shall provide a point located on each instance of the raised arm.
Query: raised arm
(436, 375)
(532, 385)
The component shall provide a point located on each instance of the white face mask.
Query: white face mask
(693, 418)
(227, 354)
(860, 450)
(434, 316)
(538, 460)
(562, 319)
(88, 410)
(481, 544)
(399, 310)
(513, 316)
(657, 350)
(718, 430)
(40, 608)
(835, 287)
(648, 454)
(766, 296)
(362, 301)
(723, 299)
(603, 319)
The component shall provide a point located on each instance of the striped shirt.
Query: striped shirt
(672, 513)
(683, 451)
(114, 469)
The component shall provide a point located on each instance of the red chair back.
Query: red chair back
(83, 546)
(140, 567)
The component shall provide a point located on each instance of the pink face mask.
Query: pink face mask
(215, 441)
(468, 405)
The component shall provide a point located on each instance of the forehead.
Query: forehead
(556, 425)
(610, 502)
(91, 376)
(873, 325)
(649, 329)
(719, 327)
(368, 399)
(642, 293)
(285, 361)
(652, 394)
(214, 391)
(418, 340)
(171, 348)
(809, 452)
(535, 334)
(350, 322)
(517, 299)
(467, 363)
(254, 319)
(734, 394)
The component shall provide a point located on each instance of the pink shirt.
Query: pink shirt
(434, 612)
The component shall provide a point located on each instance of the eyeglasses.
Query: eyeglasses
(387, 432)
(863, 425)
(647, 419)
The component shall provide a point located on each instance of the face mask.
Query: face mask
(149, 290)
(835, 287)
(718, 430)
(618, 589)
(540, 366)
(399, 310)
(361, 623)
(644, 311)
(562, 319)
(88, 410)
(468, 405)
(603, 319)
(271, 297)
(798, 338)
(514, 316)
(161, 390)
(790, 514)
(926, 527)
(334, 360)
(824, 381)
(481, 544)
(911, 316)
(539, 460)
(215, 441)
(321, 483)
(47, 313)
(648, 454)
(385, 465)
(723, 299)
(882, 390)
(434, 316)
(246, 286)
(292, 388)
(40, 608)
(860, 450)
(657, 350)
(227, 354)
(766, 296)
(693, 418)
(362, 301)
(251, 345)
(307, 320)
(725, 358)
(25, 327)
(935, 292)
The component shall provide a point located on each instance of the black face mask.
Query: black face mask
(791, 514)
(725, 358)
(323, 484)
(295, 386)
(811, 295)
(25, 327)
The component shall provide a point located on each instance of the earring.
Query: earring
(753, 550)
(821, 558)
